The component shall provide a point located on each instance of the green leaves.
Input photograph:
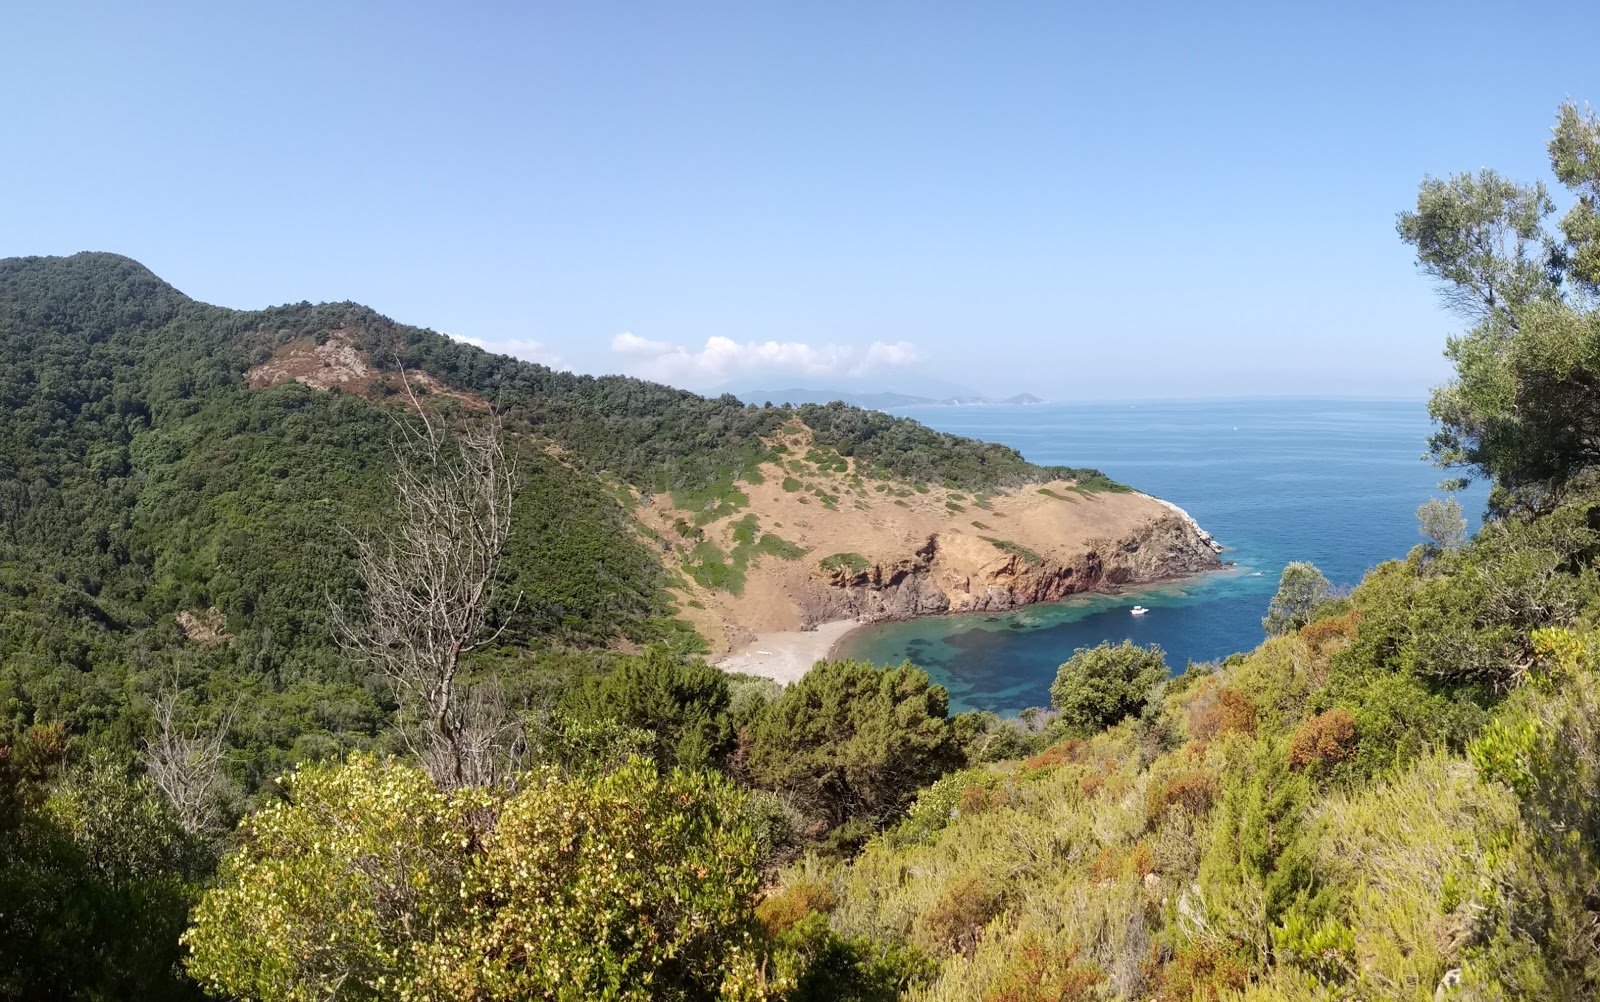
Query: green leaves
(852, 742)
(1098, 686)
(1480, 235)
(369, 882)
(1575, 159)
(1522, 409)
(1302, 590)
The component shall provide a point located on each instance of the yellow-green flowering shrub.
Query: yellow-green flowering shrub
(350, 888)
(368, 882)
(632, 886)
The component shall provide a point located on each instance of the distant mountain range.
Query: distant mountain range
(874, 401)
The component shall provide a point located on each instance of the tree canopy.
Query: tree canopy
(1522, 409)
(850, 742)
(1098, 686)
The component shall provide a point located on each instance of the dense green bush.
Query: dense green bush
(96, 878)
(368, 881)
(851, 743)
(682, 705)
(1302, 593)
(1099, 686)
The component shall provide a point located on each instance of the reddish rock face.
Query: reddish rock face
(924, 584)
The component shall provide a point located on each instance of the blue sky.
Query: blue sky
(1079, 201)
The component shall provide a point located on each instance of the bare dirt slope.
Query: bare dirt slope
(814, 542)
(337, 362)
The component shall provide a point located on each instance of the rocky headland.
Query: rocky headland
(843, 546)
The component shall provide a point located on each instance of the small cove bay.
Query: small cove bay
(1335, 482)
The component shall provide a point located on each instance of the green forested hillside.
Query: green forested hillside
(169, 533)
(142, 477)
(1395, 796)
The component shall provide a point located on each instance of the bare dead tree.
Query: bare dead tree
(431, 580)
(492, 737)
(185, 763)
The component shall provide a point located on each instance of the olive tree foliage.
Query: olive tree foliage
(1099, 686)
(431, 579)
(372, 881)
(1301, 590)
(1524, 407)
(1443, 523)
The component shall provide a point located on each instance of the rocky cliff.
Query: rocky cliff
(936, 579)
(813, 540)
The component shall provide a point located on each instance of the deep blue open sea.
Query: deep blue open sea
(1335, 482)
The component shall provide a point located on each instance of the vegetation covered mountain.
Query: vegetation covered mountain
(1396, 795)
(160, 457)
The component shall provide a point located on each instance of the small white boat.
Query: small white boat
(1139, 610)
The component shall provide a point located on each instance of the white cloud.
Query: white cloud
(723, 358)
(523, 348)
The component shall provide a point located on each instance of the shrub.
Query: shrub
(369, 881)
(1325, 738)
(710, 568)
(851, 741)
(781, 911)
(1056, 754)
(1202, 972)
(1193, 792)
(1099, 686)
(1223, 710)
(1302, 590)
(855, 563)
(1015, 549)
(773, 545)
(1040, 972)
(828, 967)
(956, 919)
(684, 707)
(976, 800)
(937, 805)
(985, 737)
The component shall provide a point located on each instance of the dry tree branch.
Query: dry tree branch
(431, 579)
(186, 764)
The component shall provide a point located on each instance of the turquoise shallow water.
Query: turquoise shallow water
(1336, 482)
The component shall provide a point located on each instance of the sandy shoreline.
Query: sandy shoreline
(787, 655)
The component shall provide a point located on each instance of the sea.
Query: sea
(1335, 482)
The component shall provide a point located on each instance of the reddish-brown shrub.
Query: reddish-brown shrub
(1091, 784)
(1226, 710)
(1191, 791)
(957, 919)
(1107, 864)
(1200, 972)
(1326, 737)
(780, 911)
(1142, 859)
(1066, 751)
(1238, 713)
(1334, 627)
(1036, 972)
(977, 800)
